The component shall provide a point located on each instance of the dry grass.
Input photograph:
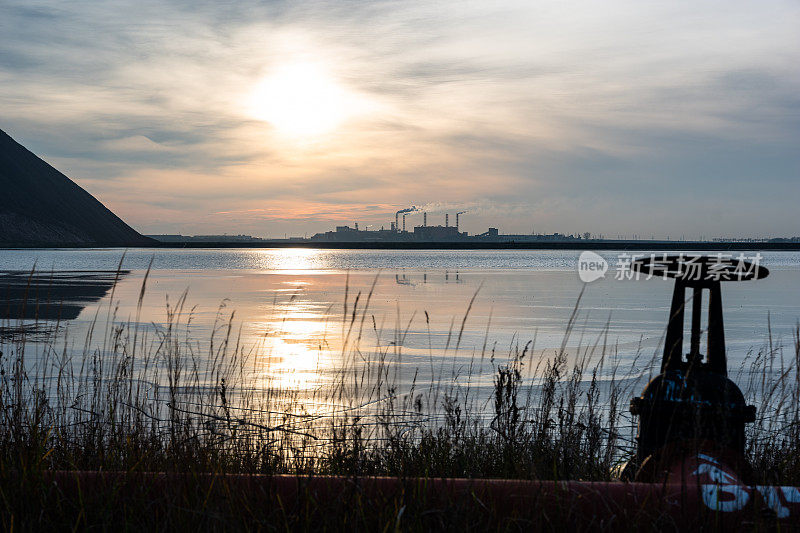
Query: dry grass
(144, 400)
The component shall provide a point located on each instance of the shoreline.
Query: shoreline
(433, 245)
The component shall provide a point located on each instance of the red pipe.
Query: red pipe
(708, 495)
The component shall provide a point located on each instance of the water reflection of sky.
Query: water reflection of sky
(289, 305)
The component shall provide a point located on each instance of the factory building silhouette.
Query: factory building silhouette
(397, 232)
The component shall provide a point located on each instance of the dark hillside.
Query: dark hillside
(41, 206)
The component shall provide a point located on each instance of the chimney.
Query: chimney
(446, 220)
(404, 222)
(425, 219)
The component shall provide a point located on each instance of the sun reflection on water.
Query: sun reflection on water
(298, 351)
(292, 260)
(297, 348)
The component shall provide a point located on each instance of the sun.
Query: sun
(300, 100)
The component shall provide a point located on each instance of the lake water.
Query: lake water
(292, 309)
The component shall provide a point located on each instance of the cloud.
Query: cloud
(547, 114)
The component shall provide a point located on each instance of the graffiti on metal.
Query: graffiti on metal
(722, 490)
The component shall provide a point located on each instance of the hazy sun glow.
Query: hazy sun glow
(300, 100)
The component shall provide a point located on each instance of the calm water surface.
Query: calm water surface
(293, 307)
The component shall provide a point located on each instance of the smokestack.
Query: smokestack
(446, 220)
(404, 211)
(425, 219)
(457, 214)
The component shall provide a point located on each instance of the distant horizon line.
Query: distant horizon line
(551, 237)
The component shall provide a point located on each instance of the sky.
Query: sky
(667, 119)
